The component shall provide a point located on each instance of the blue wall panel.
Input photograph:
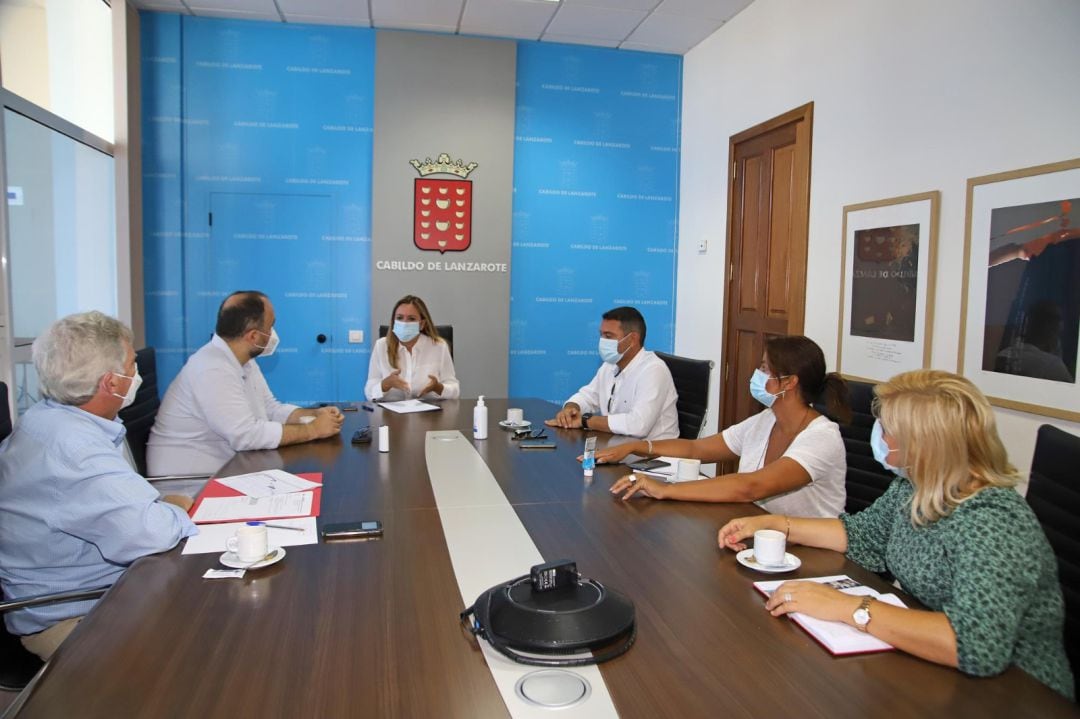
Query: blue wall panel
(596, 168)
(269, 126)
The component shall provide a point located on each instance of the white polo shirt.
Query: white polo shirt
(214, 408)
(639, 401)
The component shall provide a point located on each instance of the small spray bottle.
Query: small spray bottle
(588, 460)
(480, 419)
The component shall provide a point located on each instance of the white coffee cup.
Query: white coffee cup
(515, 415)
(769, 547)
(688, 469)
(249, 543)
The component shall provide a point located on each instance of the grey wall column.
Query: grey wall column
(437, 94)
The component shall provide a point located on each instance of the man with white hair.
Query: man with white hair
(75, 512)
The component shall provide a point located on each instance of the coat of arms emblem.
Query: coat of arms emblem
(442, 207)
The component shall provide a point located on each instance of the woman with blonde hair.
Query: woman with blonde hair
(412, 360)
(954, 532)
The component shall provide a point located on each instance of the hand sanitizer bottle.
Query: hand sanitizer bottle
(588, 459)
(479, 419)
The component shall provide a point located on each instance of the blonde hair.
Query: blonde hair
(948, 437)
(428, 329)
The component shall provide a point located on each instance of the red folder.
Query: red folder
(215, 488)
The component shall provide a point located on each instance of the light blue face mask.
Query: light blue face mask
(609, 350)
(406, 331)
(882, 451)
(758, 391)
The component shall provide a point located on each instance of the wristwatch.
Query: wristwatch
(585, 419)
(862, 614)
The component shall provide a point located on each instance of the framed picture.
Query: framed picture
(886, 312)
(1020, 319)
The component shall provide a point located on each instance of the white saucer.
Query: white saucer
(507, 424)
(746, 558)
(229, 559)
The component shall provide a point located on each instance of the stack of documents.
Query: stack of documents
(409, 406)
(289, 502)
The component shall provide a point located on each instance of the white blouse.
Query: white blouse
(427, 357)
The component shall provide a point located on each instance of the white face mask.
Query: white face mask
(129, 396)
(271, 344)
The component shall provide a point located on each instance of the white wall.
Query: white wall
(909, 96)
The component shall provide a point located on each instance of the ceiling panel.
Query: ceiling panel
(238, 14)
(416, 14)
(320, 20)
(513, 18)
(644, 5)
(710, 9)
(675, 33)
(600, 23)
(162, 5)
(574, 40)
(254, 6)
(346, 9)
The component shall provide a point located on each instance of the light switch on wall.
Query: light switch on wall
(356, 337)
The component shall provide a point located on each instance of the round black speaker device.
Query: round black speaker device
(549, 625)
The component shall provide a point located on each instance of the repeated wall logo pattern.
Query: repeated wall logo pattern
(596, 171)
(257, 160)
(257, 175)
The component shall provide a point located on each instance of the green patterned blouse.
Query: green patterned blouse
(987, 566)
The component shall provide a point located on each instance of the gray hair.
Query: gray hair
(73, 354)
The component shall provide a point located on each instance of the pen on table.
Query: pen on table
(369, 408)
(282, 526)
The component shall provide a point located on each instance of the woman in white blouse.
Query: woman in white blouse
(412, 360)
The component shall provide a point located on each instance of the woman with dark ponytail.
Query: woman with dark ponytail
(791, 457)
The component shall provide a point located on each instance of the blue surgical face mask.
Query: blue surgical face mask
(406, 331)
(758, 391)
(882, 451)
(609, 350)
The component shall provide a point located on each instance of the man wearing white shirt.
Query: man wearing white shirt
(632, 392)
(220, 403)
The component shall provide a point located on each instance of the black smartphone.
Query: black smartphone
(351, 530)
(529, 434)
(536, 444)
(362, 436)
(646, 464)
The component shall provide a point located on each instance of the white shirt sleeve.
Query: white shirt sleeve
(588, 397)
(275, 411)
(445, 373)
(222, 401)
(650, 394)
(819, 449)
(378, 368)
(737, 435)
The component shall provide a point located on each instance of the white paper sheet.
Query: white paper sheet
(267, 483)
(226, 509)
(409, 406)
(212, 537)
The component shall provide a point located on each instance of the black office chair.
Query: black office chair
(139, 417)
(691, 379)
(1054, 495)
(5, 412)
(866, 479)
(445, 331)
(18, 665)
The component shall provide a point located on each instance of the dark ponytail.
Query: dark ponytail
(837, 398)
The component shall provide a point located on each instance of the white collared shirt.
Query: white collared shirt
(638, 401)
(428, 357)
(214, 408)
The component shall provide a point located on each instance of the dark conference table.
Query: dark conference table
(370, 628)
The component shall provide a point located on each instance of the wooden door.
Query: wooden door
(768, 217)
